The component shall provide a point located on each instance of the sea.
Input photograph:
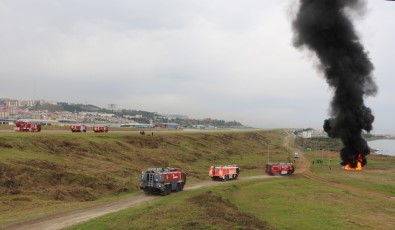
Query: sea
(383, 146)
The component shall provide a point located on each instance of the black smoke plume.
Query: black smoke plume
(325, 28)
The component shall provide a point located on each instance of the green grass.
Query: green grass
(305, 204)
(45, 171)
(278, 203)
(203, 209)
(377, 175)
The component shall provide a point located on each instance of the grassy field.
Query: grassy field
(43, 173)
(286, 203)
(279, 203)
(378, 175)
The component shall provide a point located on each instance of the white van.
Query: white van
(296, 155)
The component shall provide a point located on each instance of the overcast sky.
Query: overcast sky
(223, 59)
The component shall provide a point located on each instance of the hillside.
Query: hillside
(87, 113)
(46, 172)
(62, 178)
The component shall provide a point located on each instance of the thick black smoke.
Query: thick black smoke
(325, 28)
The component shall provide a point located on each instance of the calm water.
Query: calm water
(386, 147)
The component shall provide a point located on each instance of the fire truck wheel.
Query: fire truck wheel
(180, 187)
(168, 190)
(235, 176)
(226, 178)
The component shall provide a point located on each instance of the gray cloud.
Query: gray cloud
(223, 59)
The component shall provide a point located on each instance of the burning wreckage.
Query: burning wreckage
(325, 28)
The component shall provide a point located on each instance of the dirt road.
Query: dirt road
(64, 220)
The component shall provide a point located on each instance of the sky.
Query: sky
(222, 59)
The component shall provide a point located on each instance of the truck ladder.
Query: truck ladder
(150, 180)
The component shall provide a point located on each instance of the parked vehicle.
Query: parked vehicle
(27, 126)
(279, 169)
(296, 155)
(163, 181)
(224, 172)
(100, 129)
(78, 128)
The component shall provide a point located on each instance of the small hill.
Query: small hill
(41, 170)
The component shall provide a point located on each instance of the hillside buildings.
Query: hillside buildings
(63, 113)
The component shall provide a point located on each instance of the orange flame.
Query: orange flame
(359, 164)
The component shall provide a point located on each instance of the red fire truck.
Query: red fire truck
(279, 169)
(100, 129)
(27, 126)
(224, 172)
(78, 128)
(162, 180)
